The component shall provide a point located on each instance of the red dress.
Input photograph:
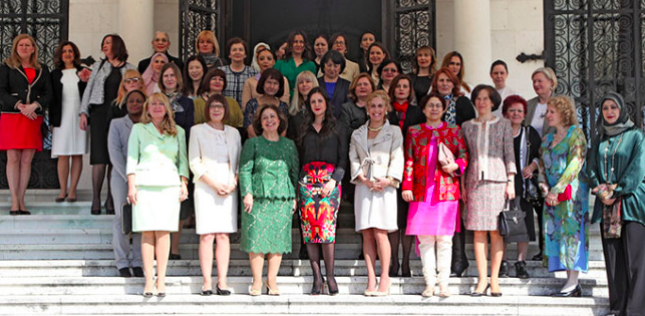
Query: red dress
(19, 132)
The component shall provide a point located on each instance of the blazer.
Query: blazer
(56, 107)
(15, 89)
(492, 153)
(417, 145)
(144, 63)
(185, 119)
(118, 137)
(351, 70)
(383, 159)
(201, 153)
(156, 160)
(94, 91)
(341, 94)
(413, 116)
(531, 106)
(465, 110)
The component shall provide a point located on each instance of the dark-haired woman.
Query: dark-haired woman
(405, 114)
(425, 65)
(323, 156)
(338, 42)
(367, 39)
(336, 87)
(297, 58)
(386, 72)
(25, 94)
(376, 54)
(268, 177)
(102, 89)
(265, 60)
(237, 72)
(69, 80)
(321, 46)
(214, 83)
(194, 72)
(271, 88)
(616, 169)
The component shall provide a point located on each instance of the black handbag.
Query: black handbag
(511, 221)
(126, 219)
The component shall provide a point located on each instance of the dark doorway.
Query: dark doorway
(271, 21)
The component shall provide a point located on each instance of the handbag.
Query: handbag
(126, 218)
(511, 221)
(445, 156)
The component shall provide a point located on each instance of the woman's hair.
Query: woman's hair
(383, 49)
(188, 87)
(175, 69)
(206, 81)
(336, 57)
(209, 36)
(14, 60)
(271, 73)
(462, 71)
(426, 98)
(119, 52)
(216, 98)
(493, 95)
(58, 55)
(512, 99)
(383, 96)
(306, 54)
(168, 125)
(127, 96)
(352, 86)
(297, 101)
(386, 62)
(130, 73)
(456, 92)
(329, 122)
(433, 56)
(360, 39)
(257, 119)
(549, 74)
(498, 62)
(396, 81)
(236, 40)
(566, 108)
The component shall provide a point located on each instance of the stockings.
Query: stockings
(314, 258)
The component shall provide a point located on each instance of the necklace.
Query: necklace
(375, 129)
(611, 170)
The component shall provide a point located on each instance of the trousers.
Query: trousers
(439, 263)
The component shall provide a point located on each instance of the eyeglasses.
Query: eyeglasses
(217, 106)
(390, 70)
(131, 80)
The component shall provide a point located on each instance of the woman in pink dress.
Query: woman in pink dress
(433, 190)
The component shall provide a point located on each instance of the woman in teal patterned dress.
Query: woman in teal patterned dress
(268, 176)
(565, 212)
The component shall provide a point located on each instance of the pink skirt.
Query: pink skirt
(19, 132)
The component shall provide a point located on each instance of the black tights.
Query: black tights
(407, 241)
(314, 259)
(98, 174)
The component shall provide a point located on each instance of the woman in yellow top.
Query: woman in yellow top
(157, 171)
(214, 83)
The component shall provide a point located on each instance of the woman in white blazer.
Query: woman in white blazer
(376, 158)
(214, 152)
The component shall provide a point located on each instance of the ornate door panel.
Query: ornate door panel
(195, 16)
(415, 27)
(596, 46)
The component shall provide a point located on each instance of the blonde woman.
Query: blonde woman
(132, 80)
(157, 171)
(207, 46)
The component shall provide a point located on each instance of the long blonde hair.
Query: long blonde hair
(168, 125)
(13, 61)
(130, 73)
(298, 101)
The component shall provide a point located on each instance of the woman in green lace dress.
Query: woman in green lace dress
(268, 176)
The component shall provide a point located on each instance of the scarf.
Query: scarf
(623, 123)
(150, 78)
(400, 110)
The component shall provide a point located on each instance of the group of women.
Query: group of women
(423, 155)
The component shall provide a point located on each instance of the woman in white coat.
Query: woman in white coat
(376, 158)
(214, 152)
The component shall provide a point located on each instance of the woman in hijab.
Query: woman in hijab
(153, 72)
(616, 169)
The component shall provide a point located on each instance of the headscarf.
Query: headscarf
(150, 78)
(623, 123)
(254, 63)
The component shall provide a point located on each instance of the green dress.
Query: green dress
(268, 171)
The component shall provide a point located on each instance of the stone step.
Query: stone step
(302, 305)
(240, 267)
(288, 285)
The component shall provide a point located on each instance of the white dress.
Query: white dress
(213, 213)
(69, 139)
(375, 209)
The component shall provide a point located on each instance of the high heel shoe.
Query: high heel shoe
(576, 292)
(317, 290)
(271, 291)
(223, 292)
(206, 292)
(386, 293)
(60, 199)
(332, 291)
(478, 294)
(255, 292)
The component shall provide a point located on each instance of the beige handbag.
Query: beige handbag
(445, 156)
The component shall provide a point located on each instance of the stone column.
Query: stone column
(473, 39)
(136, 27)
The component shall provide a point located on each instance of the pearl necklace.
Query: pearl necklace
(375, 129)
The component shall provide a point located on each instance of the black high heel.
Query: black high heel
(222, 291)
(479, 294)
(576, 292)
(332, 291)
(320, 289)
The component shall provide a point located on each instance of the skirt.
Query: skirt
(318, 214)
(485, 202)
(19, 132)
(267, 229)
(214, 213)
(99, 124)
(157, 209)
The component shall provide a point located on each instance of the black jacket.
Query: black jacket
(144, 63)
(56, 107)
(465, 110)
(15, 88)
(413, 116)
(341, 94)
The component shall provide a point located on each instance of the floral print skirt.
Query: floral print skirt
(318, 214)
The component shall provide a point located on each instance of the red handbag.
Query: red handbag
(566, 195)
